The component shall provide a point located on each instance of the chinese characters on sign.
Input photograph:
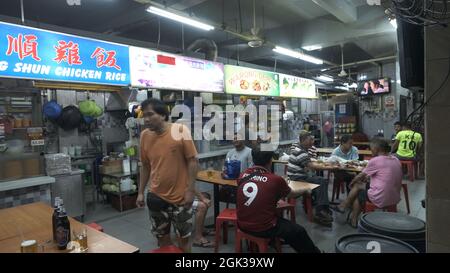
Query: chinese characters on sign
(109, 61)
(68, 52)
(38, 54)
(23, 45)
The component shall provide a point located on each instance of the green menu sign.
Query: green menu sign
(248, 81)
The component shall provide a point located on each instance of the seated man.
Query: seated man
(298, 167)
(348, 152)
(407, 143)
(240, 152)
(258, 193)
(200, 207)
(244, 155)
(385, 173)
(397, 129)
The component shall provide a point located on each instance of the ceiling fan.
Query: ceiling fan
(342, 73)
(253, 37)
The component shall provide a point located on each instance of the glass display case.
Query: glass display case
(21, 135)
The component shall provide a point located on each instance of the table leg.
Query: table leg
(216, 202)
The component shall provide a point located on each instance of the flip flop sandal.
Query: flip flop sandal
(210, 232)
(204, 244)
(337, 209)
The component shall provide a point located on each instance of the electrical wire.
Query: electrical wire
(424, 104)
(422, 12)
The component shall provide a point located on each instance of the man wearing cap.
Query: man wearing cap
(298, 167)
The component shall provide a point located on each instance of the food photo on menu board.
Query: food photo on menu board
(295, 87)
(157, 69)
(247, 81)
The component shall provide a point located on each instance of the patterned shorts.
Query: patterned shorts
(162, 217)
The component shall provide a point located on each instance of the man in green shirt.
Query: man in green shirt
(407, 143)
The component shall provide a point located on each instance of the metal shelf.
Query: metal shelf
(131, 192)
(119, 175)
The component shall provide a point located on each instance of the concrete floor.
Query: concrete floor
(133, 226)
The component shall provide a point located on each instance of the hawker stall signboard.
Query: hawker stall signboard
(155, 69)
(295, 87)
(30, 53)
(247, 81)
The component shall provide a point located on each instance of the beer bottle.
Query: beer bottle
(62, 230)
(54, 216)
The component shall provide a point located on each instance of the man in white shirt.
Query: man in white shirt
(241, 153)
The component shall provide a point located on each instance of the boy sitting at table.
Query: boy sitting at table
(346, 151)
(258, 192)
(385, 174)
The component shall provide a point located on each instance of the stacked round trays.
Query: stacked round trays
(408, 229)
(371, 243)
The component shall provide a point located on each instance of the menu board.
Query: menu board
(295, 87)
(31, 53)
(155, 69)
(247, 81)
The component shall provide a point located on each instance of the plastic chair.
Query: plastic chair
(405, 192)
(227, 215)
(410, 165)
(261, 243)
(167, 249)
(96, 226)
(370, 207)
(283, 206)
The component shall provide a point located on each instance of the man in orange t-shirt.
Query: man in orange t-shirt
(169, 168)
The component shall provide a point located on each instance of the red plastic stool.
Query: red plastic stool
(283, 206)
(338, 186)
(410, 165)
(167, 249)
(307, 205)
(370, 207)
(227, 215)
(262, 243)
(96, 226)
(405, 192)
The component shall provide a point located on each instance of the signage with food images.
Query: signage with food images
(155, 69)
(248, 81)
(295, 87)
(31, 53)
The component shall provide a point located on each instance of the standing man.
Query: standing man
(169, 168)
(298, 167)
(407, 143)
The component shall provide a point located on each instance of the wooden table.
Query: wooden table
(35, 222)
(330, 151)
(217, 180)
(356, 143)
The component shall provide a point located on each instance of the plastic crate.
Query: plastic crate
(128, 201)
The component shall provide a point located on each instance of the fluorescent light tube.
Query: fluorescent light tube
(325, 78)
(178, 18)
(298, 55)
(312, 48)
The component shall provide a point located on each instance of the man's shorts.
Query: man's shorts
(163, 214)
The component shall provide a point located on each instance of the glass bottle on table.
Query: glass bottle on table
(55, 216)
(62, 230)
